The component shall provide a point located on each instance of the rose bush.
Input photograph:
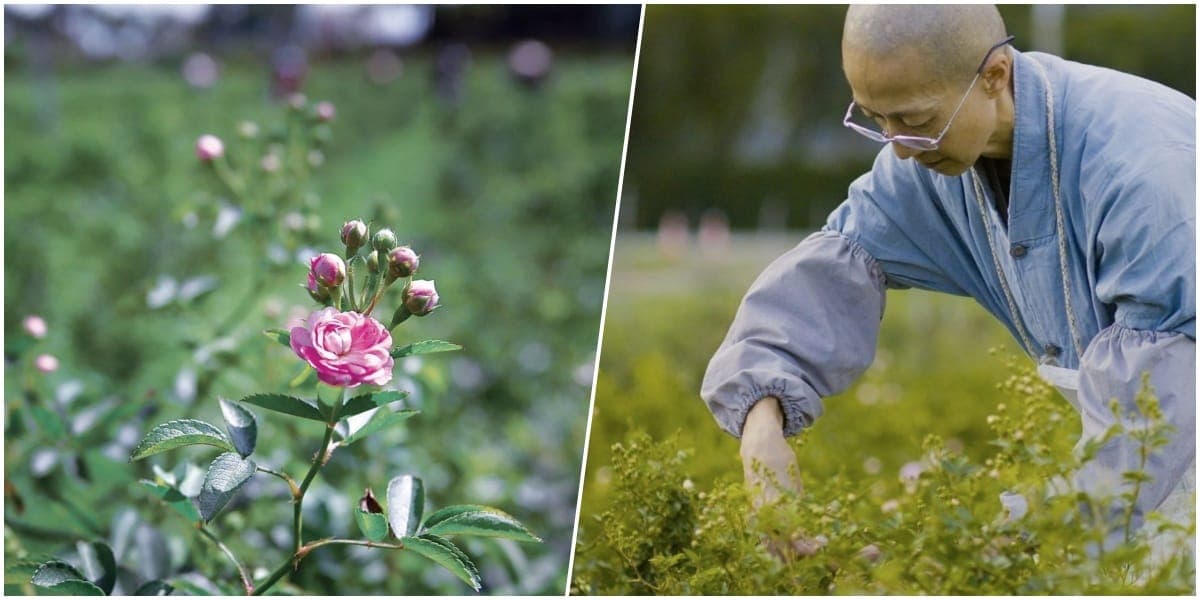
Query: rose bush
(346, 349)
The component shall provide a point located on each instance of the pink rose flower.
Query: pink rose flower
(345, 348)
(35, 326)
(47, 363)
(209, 147)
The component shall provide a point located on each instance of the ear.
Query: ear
(997, 73)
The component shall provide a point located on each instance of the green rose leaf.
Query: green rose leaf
(365, 402)
(242, 426)
(470, 519)
(54, 572)
(443, 552)
(374, 526)
(61, 579)
(154, 588)
(405, 503)
(227, 473)
(282, 336)
(425, 347)
(175, 499)
(287, 405)
(98, 564)
(50, 423)
(178, 433)
(379, 421)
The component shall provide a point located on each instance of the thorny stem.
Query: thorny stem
(246, 581)
(293, 561)
(299, 551)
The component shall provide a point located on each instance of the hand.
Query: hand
(771, 469)
(767, 460)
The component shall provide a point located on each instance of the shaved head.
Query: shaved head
(950, 40)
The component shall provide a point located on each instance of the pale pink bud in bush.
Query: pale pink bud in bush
(46, 363)
(345, 348)
(328, 269)
(354, 234)
(326, 111)
(209, 148)
(402, 261)
(35, 326)
(871, 553)
(911, 471)
(420, 297)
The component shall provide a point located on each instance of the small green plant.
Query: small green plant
(1006, 523)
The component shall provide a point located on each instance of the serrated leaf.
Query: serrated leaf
(374, 526)
(54, 572)
(98, 564)
(287, 405)
(470, 519)
(405, 503)
(154, 588)
(379, 421)
(446, 554)
(243, 428)
(424, 347)
(227, 473)
(73, 587)
(175, 499)
(365, 402)
(281, 336)
(181, 432)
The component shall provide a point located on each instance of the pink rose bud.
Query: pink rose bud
(35, 326)
(209, 148)
(354, 234)
(403, 262)
(46, 363)
(328, 269)
(420, 297)
(297, 101)
(326, 111)
(345, 348)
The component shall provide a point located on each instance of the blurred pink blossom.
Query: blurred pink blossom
(345, 348)
(35, 326)
(46, 363)
(326, 111)
(209, 147)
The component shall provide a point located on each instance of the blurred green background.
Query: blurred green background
(500, 171)
(738, 108)
(736, 151)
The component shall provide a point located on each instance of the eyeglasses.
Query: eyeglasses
(917, 142)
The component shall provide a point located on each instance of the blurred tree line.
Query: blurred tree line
(738, 108)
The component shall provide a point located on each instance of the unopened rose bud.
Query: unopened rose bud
(368, 503)
(420, 297)
(871, 553)
(328, 269)
(35, 326)
(354, 234)
(209, 148)
(373, 262)
(46, 363)
(384, 240)
(402, 261)
(297, 101)
(326, 111)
